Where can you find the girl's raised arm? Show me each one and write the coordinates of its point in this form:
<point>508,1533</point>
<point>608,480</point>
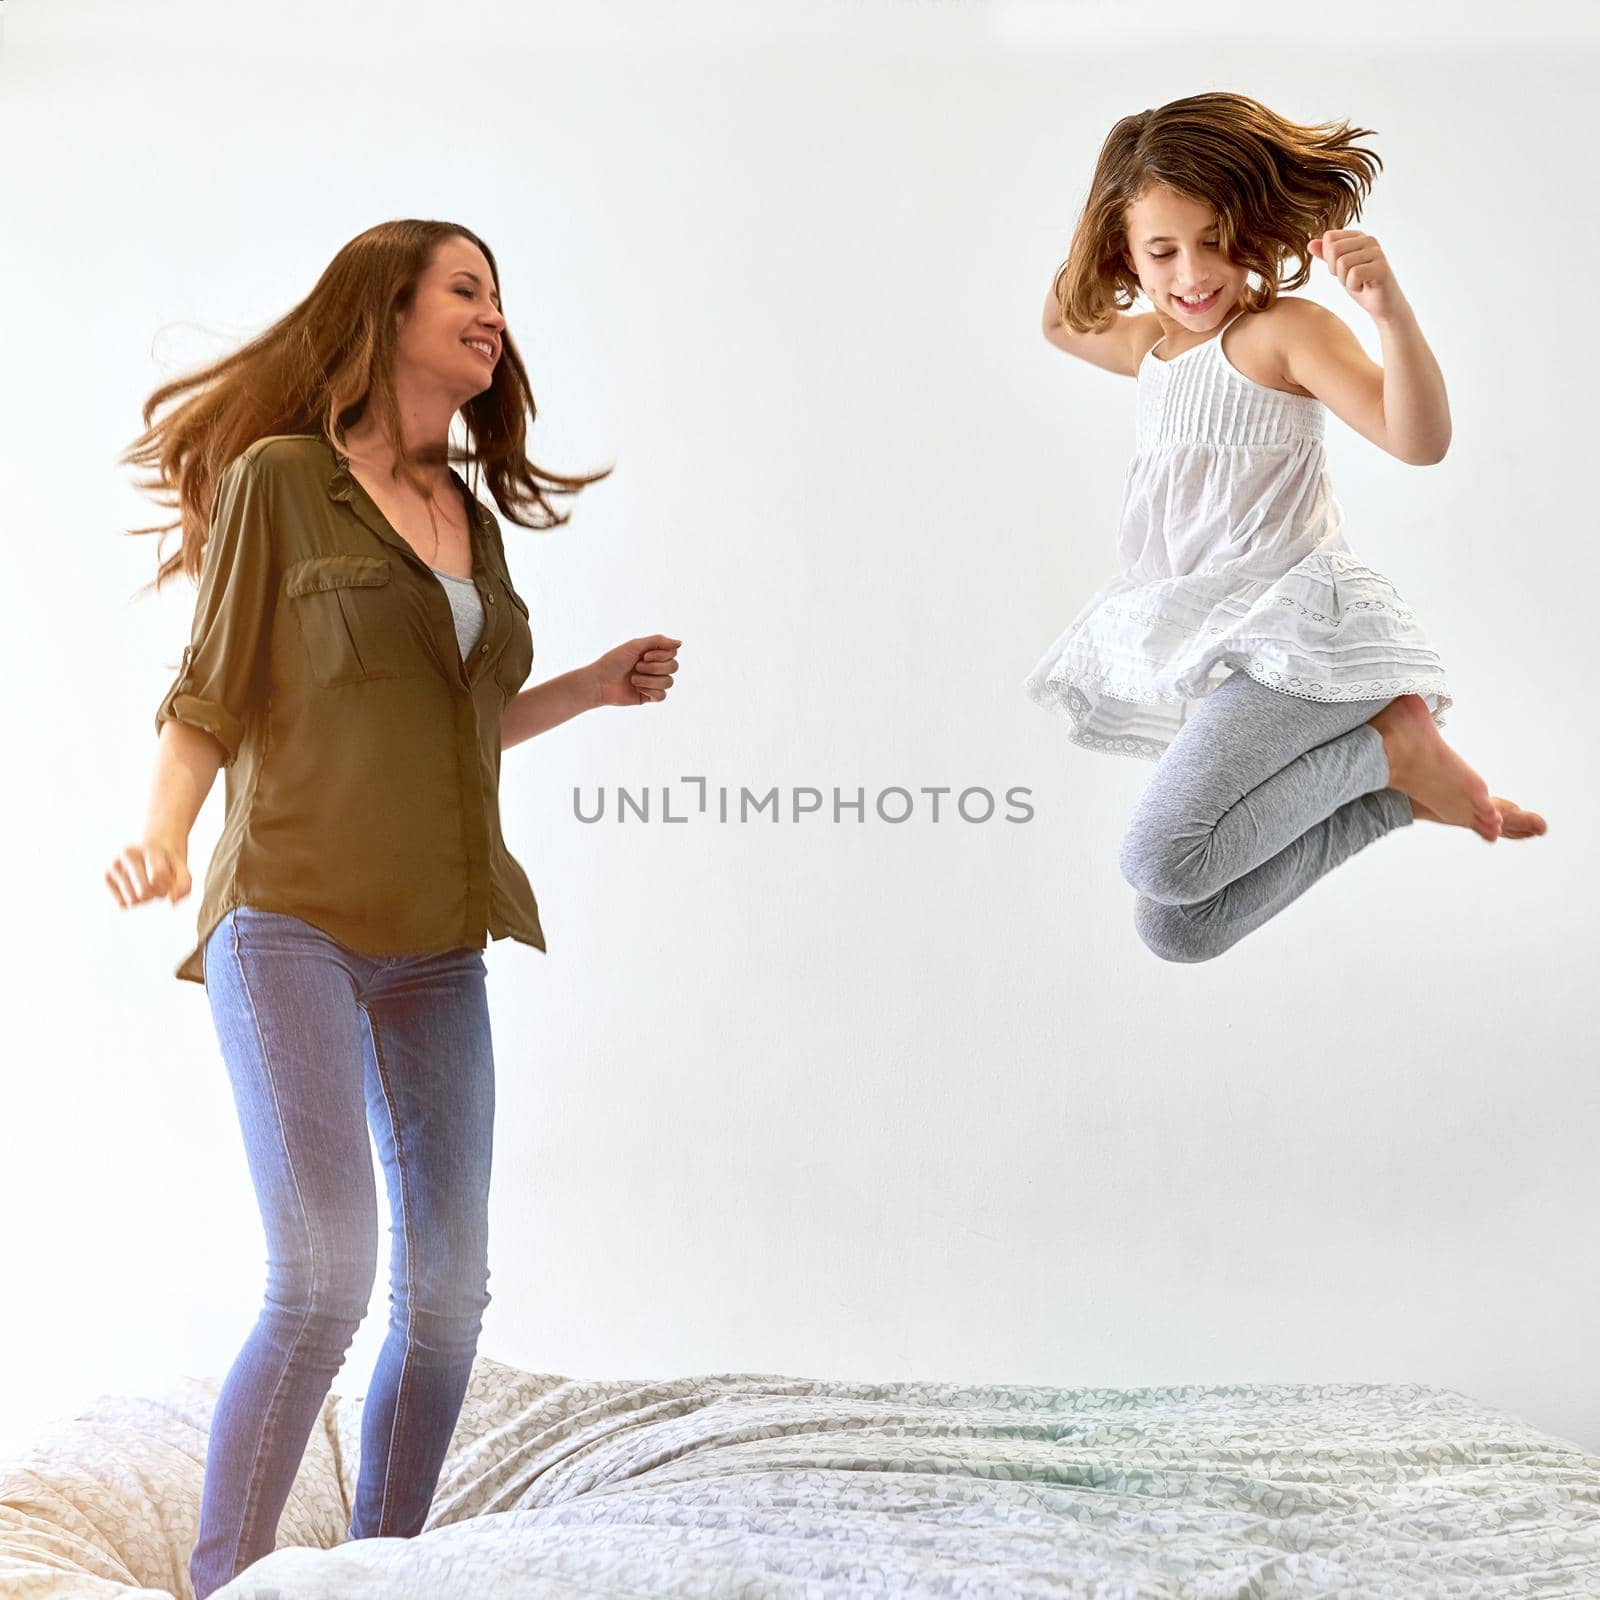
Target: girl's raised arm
<point>1118,349</point>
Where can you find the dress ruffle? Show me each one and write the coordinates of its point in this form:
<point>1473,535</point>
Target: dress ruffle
<point>1140,655</point>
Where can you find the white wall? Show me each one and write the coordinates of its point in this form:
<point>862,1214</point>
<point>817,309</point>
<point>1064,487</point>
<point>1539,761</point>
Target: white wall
<point>838,1100</point>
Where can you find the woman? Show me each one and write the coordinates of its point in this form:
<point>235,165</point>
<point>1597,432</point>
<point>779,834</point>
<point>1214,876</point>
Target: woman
<point>356,664</point>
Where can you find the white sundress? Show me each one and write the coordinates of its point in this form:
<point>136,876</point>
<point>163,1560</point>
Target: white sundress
<point>1232,557</point>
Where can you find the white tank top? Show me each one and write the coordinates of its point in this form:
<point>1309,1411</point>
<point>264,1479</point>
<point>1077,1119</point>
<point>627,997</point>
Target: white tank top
<point>1226,474</point>
<point>1231,556</point>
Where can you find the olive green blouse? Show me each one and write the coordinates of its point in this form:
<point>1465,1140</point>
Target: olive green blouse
<point>361,753</point>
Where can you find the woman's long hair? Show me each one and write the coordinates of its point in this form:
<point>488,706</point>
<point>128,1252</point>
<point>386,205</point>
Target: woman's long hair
<point>316,370</point>
<point>1274,185</point>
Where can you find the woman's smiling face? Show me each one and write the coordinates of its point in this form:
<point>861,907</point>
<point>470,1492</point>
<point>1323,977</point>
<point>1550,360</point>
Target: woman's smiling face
<point>454,313</point>
<point>1174,250</point>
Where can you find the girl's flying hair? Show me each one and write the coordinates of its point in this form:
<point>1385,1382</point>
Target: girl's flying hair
<point>1274,185</point>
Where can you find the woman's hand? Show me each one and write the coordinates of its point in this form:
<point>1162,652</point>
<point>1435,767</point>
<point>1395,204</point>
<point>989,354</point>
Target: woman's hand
<point>1357,260</point>
<point>635,672</point>
<point>150,868</point>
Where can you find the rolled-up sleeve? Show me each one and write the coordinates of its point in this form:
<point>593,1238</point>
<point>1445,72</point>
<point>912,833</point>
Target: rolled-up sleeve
<point>224,664</point>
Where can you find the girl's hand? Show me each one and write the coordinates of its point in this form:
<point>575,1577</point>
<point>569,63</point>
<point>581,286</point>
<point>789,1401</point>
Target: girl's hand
<point>147,869</point>
<point>636,672</point>
<point>1357,260</point>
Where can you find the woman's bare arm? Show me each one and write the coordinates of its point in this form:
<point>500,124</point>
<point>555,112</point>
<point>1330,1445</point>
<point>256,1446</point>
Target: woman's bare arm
<point>546,705</point>
<point>187,759</point>
<point>157,866</point>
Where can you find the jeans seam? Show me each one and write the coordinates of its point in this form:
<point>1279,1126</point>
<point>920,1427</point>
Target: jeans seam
<point>246,1521</point>
<point>411,1287</point>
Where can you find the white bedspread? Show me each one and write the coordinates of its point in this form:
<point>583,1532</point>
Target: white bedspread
<point>751,1485</point>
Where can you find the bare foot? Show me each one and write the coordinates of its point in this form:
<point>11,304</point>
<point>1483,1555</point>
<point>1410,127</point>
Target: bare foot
<point>1439,784</point>
<point>1515,823</point>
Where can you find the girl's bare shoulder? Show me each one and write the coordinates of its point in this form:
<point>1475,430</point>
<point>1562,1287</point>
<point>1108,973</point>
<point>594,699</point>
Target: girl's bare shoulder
<point>1261,343</point>
<point>1316,352</point>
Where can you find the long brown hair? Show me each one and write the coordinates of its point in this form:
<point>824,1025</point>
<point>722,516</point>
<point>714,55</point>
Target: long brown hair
<point>1274,185</point>
<point>316,370</point>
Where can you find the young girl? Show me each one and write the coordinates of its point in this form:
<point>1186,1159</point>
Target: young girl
<point>356,664</point>
<point>1288,694</point>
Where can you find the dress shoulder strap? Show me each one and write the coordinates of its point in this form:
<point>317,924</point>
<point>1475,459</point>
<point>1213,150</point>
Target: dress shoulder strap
<point>1215,338</point>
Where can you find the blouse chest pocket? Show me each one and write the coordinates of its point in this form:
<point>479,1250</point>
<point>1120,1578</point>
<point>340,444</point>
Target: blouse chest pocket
<point>350,623</point>
<point>516,659</point>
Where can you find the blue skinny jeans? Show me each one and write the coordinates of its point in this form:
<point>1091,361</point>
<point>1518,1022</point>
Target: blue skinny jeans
<point>322,1043</point>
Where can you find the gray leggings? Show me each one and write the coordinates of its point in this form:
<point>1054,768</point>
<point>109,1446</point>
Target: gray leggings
<point>1258,795</point>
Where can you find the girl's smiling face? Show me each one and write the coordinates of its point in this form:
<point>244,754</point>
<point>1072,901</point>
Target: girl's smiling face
<point>1174,250</point>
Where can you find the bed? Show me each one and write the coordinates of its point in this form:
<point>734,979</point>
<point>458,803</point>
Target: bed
<point>754,1485</point>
